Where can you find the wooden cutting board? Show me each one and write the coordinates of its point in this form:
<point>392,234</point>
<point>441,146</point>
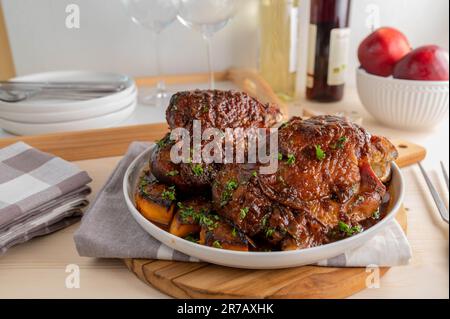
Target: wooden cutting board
<point>203,280</point>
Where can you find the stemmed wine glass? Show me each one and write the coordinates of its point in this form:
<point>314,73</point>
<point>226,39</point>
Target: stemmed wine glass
<point>154,15</point>
<point>207,17</point>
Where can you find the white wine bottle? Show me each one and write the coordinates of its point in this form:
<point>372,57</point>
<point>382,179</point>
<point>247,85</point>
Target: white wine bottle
<point>279,45</point>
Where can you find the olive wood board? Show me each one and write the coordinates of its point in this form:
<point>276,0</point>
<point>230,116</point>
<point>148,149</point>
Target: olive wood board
<point>203,280</point>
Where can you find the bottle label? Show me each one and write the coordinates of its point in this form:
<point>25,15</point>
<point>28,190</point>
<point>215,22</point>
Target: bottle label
<point>311,55</point>
<point>338,60</point>
<point>294,40</point>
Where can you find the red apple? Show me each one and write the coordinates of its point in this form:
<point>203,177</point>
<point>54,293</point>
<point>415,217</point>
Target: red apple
<point>427,63</point>
<point>381,50</point>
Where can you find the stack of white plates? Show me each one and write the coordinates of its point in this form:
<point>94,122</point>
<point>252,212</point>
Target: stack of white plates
<point>39,116</point>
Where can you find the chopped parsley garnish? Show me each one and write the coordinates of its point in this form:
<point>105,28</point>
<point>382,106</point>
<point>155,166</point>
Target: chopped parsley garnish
<point>169,194</point>
<point>255,174</point>
<point>290,159</point>
<point>270,231</point>
<point>234,232</point>
<point>357,229</point>
<point>162,142</point>
<point>341,142</point>
<point>243,212</point>
<point>320,154</point>
<point>210,221</point>
<point>345,228</point>
<point>205,109</point>
<point>376,214</point>
<point>186,213</point>
<point>280,156</point>
<point>142,184</point>
<point>197,169</point>
<point>172,173</point>
<point>264,220</point>
<point>216,244</point>
<point>230,186</point>
<point>191,238</point>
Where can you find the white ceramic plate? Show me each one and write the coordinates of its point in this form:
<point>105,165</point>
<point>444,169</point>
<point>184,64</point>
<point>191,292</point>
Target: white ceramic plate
<point>108,120</point>
<point>78,114</point>
<point>254,260</point>
<point>40,106</point>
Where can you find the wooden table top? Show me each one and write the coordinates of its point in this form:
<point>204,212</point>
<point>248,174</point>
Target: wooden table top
<point>37,269</point>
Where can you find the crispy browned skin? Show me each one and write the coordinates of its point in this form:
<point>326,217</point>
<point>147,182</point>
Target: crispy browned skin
<point>238,198</point>
<point>187,177</point>
<point>311,193</point>
<point>219,109</point>
<point>214,109</point>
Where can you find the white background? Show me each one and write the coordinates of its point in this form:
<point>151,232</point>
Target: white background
<point>109,41</point>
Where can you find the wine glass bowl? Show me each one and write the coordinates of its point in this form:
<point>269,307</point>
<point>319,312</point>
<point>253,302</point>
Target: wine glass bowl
<point>155,15</point>
<point>206,17</point>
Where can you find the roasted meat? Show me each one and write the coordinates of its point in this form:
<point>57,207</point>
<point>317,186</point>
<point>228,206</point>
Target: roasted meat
<point>214,109</point>
<point>219,109</point>
<point>330,182</point>
<point>324,180</point>
<point>188,177</point>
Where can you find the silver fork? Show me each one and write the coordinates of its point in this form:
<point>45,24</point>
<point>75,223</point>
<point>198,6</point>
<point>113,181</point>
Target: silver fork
<point>437,199</point>
<point>12,92</point>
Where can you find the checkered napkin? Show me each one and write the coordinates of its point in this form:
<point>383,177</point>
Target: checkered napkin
<point>109,231</point>
<point>39,194</point>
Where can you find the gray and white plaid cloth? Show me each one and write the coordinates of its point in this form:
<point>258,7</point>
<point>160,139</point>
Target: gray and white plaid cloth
<point>109,230</point>
<point>39,194</point>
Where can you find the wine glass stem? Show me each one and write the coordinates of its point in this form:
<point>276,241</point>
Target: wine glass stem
<point>210,62</point>
<point>160,85</point>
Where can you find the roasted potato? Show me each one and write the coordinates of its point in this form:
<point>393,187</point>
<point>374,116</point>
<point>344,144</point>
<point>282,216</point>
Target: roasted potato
<point>188,216</point>
<point>155,201</point>
<point>222,235</point>
<point>181,228</point>
<point>154,212</point>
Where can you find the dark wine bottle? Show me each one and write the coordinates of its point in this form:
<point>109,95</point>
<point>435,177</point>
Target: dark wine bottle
<point>329,38</point>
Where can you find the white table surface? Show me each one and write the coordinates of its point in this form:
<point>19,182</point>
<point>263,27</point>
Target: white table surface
<point>37,269</point>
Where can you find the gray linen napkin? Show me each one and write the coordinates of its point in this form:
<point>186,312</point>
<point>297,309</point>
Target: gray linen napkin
<point>109,231</point>
<point>39,194</point>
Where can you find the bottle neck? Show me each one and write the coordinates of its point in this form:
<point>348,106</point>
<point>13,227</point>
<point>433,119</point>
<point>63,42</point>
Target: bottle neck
<point>334,12</point>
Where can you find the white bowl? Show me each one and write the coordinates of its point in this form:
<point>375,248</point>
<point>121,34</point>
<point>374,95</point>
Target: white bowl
<point>403,104</point>
<point>254,260</point>
<point>52,106</point>
<point>108,120</point>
